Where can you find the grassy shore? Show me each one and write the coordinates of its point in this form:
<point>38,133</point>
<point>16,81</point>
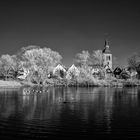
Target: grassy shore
<point>99,83</point>
<point>10,84</point>
<point>74,83</point>
<point>119,83</point>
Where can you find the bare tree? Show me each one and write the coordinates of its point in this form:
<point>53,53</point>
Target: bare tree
<point>97,58</point>
<point>82,59</point>
<point>7,62</point>
<point>134,62</point>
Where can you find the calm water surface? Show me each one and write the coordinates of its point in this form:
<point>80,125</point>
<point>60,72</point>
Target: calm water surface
<point>32,113</point>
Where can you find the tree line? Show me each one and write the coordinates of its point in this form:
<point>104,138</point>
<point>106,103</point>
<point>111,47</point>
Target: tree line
<point>40,62</point>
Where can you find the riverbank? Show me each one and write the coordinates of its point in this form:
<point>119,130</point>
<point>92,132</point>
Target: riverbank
<point>74,83</point>
<point>99,83</point>
<point>108,83</point>
<point>10,84</point>
<point>94,83</point>
<point>119,83</point>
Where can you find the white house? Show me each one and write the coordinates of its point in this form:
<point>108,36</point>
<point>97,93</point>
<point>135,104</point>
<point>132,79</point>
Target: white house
<point>95,71</point>
<point>73,71</point>
<point>23,74</point>
<point>59,70</point>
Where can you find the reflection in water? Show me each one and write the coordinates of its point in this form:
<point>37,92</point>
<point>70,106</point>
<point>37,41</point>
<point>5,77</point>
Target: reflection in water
<point>69,111</point>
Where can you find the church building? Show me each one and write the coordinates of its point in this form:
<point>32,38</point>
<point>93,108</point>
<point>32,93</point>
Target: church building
<point>107,56</point>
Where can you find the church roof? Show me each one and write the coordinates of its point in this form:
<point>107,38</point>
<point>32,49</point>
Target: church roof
<point>58,67</point>
<point>106,49</point>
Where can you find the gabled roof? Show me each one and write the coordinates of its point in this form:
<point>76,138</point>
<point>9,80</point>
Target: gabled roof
<point>59,67</point>
<point>73,68</point>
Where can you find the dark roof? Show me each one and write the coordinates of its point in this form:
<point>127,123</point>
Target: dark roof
<point>106,49</point>
<point>108,70</point>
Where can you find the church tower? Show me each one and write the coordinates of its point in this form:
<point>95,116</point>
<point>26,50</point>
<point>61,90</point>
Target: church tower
<point>107,56</point>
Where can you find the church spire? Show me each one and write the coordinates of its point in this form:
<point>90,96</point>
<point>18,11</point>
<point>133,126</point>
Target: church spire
<point>106,42</point>
<point>106,47</point>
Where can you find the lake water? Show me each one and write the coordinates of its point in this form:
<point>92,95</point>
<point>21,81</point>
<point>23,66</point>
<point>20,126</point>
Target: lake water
<point>70,113</point>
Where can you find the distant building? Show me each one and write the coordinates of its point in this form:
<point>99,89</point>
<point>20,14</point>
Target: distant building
<point>59,70</point>
<point>107,56</point>
<point>95,71</point>
<point>72,72</point>
<point>22,74</point>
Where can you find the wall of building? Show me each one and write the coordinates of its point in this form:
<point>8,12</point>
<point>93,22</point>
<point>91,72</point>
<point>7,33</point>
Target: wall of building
<point>107,60</point>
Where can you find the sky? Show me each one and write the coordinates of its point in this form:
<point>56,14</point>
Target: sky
<point>69,27</point>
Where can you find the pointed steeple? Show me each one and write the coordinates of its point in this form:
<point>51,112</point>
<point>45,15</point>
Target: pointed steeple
<point>106,42</point>
<point>106,47</point>
<point>107,55</point>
